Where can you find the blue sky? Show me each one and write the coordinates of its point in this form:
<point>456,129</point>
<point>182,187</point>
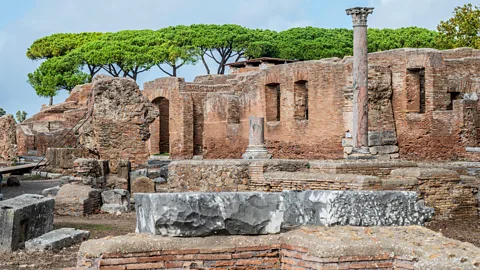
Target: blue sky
<point>22,22</point>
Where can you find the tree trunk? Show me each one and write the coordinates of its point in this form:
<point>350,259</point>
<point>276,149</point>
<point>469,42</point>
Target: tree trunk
<point>205,64</point>
<point>51,101</point>
<point>174,72</point>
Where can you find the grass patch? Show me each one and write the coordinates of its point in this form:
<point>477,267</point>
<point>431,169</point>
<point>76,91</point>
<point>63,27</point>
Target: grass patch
<point>162,154</point>
<point>87,227</point>
<point>33,177</point>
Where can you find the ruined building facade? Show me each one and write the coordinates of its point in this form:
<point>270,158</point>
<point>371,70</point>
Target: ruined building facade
<point>423,104</point>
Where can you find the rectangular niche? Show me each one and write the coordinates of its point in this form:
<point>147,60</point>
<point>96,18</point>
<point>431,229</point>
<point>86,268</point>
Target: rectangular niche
<point>301,100</point>
<point>415,86</point>
<point>272,102</point>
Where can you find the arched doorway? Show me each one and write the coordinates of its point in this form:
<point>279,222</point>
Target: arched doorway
<point>160,132</point>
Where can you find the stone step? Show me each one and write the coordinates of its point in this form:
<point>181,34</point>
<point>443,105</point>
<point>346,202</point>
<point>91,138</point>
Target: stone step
<point>158,162</point>
<point>315,180</point>
<point>57,239</point>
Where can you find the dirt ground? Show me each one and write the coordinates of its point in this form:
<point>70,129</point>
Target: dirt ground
<point>100,226</point>
<point>467,230</point>
<point>104,225</point>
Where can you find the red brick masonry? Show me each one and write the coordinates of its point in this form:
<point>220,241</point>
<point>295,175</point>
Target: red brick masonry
<point>304,248</point>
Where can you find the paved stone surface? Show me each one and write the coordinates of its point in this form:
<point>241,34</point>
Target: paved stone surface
<point>57,239</point>
<point>424,248</point>
<point>23,218</point>
<point>199,214</point>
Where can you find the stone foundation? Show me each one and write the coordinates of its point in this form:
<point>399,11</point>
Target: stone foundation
<point>304,248</point>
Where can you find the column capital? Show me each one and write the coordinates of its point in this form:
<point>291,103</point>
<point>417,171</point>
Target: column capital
<point>359,15</point>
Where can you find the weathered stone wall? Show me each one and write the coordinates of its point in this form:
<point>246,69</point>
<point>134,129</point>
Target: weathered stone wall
<point>8,141</point>
<point>207,176</point>
<point>118,126</point>
<point>451,194</point>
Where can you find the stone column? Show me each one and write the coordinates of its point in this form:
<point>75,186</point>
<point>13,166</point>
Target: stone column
<point>360,78</point>
<point>256,142</point>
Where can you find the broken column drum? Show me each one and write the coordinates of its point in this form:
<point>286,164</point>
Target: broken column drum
<point>256,142</point>
<point>360,78</point>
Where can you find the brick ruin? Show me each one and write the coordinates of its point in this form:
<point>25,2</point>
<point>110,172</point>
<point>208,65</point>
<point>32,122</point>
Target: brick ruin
<point>422,105</point>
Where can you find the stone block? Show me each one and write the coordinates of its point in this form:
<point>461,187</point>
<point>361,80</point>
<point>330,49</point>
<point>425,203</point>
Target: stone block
<point>116,196</point>
<point>143,185</point>
<point>77,200</point>
<point>201,214</point>
<point>23,218</point>
<point>13,181</point>
<point>113,181</point>
<point>116,209</point>
<point>384,149</point>
<point>354,208</point>
<point>51,192</point>
<point>92,171</point>
<point>124,168</point>
<point>376,138</point>
<point>137,174</point>
<point>57,240</point>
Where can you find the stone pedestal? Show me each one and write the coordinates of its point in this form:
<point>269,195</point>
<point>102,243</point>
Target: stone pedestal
<point>256,142</point>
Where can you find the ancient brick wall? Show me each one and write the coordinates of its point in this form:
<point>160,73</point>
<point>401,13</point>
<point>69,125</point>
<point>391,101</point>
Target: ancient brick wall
<point>451,195</point>
<point>180,125</point>
<point>303,248</point>
<point>431,127</point>
<point>54,125</point>
<point>275,256</point>
<point>421,106</point>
